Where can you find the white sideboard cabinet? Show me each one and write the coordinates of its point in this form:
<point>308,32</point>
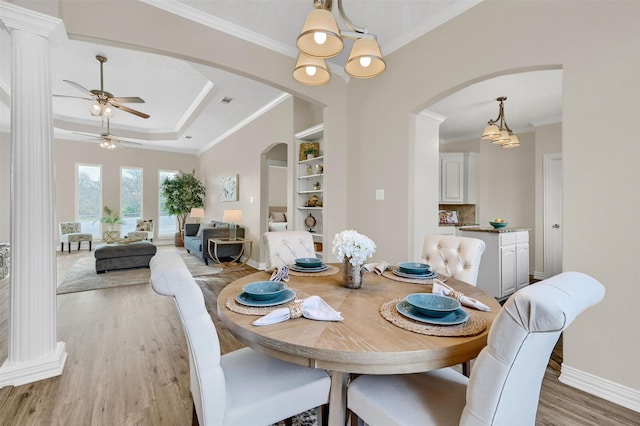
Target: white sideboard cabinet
<point>504,266</point>
<point>458,177</point>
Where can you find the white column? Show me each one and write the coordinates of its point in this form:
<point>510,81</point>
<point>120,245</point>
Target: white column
<point>34,353</point>
<point>424,189</point>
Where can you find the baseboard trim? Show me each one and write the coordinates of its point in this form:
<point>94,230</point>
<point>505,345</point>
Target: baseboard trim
<point>17,374</point>
<point>538,275</point>
<point>605,389</point>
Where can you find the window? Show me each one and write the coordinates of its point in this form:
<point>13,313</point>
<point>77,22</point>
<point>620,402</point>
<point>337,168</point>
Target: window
<point>166,222</point>
<point>89,197</point>
<point>130,198</point>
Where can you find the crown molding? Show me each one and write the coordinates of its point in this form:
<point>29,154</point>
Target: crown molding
<point>18,18</point>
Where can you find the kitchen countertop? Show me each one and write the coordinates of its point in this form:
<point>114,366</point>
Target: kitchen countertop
<point>458,224</point>
<point>491,229</point>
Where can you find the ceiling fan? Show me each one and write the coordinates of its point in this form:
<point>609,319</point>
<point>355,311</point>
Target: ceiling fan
<point>105,101</point>
<point>109,141</point>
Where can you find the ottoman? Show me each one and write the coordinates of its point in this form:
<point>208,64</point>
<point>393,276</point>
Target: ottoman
<point>123,256</point>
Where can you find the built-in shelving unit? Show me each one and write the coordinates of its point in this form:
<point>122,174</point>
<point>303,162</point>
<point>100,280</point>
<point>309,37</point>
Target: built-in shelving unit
<point>309,197</point>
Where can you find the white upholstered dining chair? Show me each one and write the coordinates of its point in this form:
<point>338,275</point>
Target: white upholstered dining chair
<point>457,257</point>
<point>504,386</point>
<point>284,247</point>
<point>242,387</point>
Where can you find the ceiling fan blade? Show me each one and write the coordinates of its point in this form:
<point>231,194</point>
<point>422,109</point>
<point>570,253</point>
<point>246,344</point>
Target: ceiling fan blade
<point>76,85</point>
<point>88,134</point>
<point>130,143</point>
<point>130,110</point>
<point>74,97</point>
<point>127,100</point>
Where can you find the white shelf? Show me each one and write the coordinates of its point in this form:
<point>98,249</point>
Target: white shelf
<point>311,191</point>
<point>311,160</point>
<point>311,176</point>
<point>309,208</point>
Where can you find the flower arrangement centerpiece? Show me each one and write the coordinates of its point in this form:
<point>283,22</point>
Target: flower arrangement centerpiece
<point>353,249</point>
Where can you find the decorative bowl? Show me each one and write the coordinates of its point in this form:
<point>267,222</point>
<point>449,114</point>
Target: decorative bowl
<point>414,268</point>
<point>308,262</point>
<point>498,225</point>
<point>432,305</point>
<point>264,290</point>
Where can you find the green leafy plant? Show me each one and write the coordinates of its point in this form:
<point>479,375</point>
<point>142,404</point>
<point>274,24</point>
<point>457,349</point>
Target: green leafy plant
<point>182,193</point>
<point>111,217</point>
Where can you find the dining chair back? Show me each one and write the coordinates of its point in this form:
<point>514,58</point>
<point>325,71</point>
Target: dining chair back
<point>71,232</point>
<point>242,387</point>
<point>505,382</point>
<point>284,247</point>
<point>457,257</point>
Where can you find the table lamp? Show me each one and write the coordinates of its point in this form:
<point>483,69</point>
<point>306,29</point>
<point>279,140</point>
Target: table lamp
<point>232,217</point>
<point>197,212</point>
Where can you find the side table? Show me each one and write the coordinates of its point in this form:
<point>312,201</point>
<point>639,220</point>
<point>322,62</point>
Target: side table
<point>217,242</point>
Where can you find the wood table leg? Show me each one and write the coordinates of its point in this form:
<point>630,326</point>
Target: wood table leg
<point>338,398</point>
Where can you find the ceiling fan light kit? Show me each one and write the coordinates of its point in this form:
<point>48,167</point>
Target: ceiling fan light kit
<point>498,132</point>
<point>321,39</point>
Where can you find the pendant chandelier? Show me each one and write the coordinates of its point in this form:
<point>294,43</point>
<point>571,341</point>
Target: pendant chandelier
<point>498,131</point>
<point>321,39</point>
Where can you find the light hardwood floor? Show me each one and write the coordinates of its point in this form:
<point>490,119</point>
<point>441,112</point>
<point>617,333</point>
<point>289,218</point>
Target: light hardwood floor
<point>127,365</point>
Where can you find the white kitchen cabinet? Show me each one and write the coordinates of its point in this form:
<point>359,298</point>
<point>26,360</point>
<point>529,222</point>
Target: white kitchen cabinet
<point>504,266</point>
<point>458,177</point>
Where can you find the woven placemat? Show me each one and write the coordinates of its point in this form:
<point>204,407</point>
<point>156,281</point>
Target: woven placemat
<point>389,274</point>
<point>331,271</point>
<point>239,308</point>
<point>474,325</point>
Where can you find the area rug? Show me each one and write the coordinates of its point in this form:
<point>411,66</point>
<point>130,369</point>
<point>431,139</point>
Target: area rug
<point>83,276</point>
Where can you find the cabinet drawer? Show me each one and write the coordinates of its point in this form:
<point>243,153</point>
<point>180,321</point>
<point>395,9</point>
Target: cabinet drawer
<point>522,237</point>
<point>508,238</point>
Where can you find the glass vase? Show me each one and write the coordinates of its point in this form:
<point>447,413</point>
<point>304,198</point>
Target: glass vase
<point>352,276</point>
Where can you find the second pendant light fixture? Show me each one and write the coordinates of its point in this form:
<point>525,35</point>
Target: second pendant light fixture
<point>321,39</point>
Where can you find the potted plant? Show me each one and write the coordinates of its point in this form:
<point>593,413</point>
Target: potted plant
<point>111,218</point>
<point>181,194</point>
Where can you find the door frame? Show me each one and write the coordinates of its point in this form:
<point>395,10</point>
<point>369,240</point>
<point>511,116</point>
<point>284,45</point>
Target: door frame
<point>549,181</point>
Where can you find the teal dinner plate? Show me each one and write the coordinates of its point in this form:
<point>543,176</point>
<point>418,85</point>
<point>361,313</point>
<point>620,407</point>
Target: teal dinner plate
<point>456,317</point>
<point>304,269</point>
<point>308,262</point>
<point>428,276</point>
<point>287,296</point>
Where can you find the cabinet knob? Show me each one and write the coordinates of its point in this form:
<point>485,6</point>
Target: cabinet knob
<point>556,226</point>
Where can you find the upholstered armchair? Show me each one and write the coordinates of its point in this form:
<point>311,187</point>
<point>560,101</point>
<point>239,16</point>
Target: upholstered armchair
<point>144,230</point>
<point>71,232</point>
<point>284,247</point>
<point>457,257</point>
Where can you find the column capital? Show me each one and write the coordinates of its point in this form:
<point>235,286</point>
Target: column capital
<point>14,17</point>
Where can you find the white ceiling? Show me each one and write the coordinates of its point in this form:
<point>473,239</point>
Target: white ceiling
<point>183,98</point>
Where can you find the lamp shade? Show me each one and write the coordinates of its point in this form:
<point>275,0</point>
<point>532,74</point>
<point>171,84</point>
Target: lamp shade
<point>311,71</point>
<point>514,142</point>
<point>320,36</point>
<point>232,216</point>
<point>365,60</point>
<point>490,132</point>
<point>197,212</point>
<point>503,137</point>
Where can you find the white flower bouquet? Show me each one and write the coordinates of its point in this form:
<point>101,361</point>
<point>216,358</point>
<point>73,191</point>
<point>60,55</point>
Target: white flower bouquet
<point>356,247</point>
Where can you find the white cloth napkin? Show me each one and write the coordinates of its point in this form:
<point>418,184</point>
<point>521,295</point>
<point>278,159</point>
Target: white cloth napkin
<point>441,288</point>
<point>281,273</point>
<point>312,307</point>
<point>378,268</point>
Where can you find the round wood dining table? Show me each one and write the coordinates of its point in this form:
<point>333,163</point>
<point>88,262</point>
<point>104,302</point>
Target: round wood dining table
<point>364,342</point>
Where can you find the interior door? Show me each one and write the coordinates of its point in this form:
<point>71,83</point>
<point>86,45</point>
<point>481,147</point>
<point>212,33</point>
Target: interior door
<point>552,214</point>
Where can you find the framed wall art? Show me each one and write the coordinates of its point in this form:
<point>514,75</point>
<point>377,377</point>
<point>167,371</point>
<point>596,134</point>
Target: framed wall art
<point>229,188</point>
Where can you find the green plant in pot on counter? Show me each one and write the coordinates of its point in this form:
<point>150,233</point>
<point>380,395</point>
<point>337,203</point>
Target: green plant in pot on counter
<point>182,193</point>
